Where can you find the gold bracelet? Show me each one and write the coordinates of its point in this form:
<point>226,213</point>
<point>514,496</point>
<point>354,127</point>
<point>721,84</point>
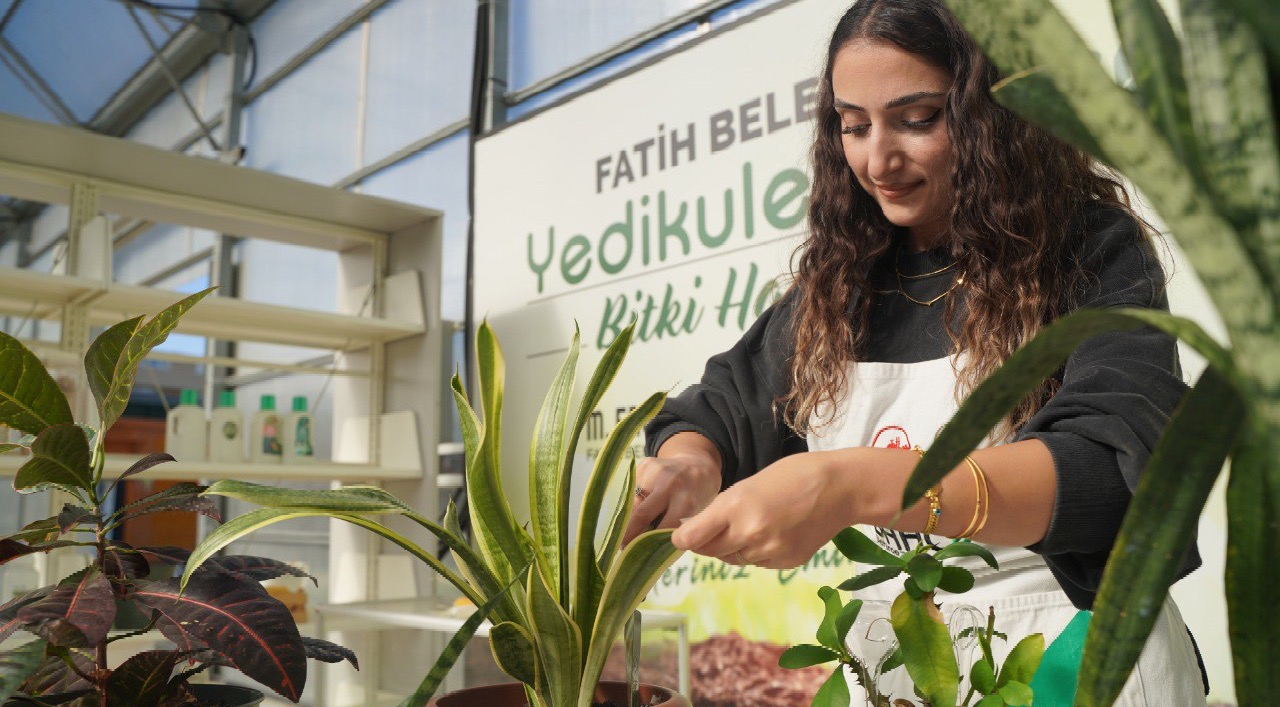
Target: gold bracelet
<point>982,500</point>
<point>935,502</point>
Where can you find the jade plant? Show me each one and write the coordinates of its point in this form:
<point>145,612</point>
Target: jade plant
<point>1197,132</point>
<point>925,643</point>
<point>223,617</point>
<point>557,609</point>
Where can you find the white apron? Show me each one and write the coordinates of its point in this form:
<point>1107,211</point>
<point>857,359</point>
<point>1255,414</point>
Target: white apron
<point>901,405</point>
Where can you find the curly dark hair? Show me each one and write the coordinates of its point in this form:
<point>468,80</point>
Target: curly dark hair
<point>1018,195</point>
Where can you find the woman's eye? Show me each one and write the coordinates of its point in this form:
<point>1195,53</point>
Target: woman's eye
<point>854,129</point>
<point>923,122</point>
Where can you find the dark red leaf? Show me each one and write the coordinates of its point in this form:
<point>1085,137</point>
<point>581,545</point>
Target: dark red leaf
<point>83,601</point>
<point>37,531</point>
<point>122,562</point>
<point>143,680</point>
<point>256,568</point>
<point>11,550</point>
<point>235,618</point>
<point>183,496</point>
<point>73,515</point>
<point>166,555</point>
<point>329,652</point>
<point>9,621</point>
<point>55,678</point>
<point>145,463</point>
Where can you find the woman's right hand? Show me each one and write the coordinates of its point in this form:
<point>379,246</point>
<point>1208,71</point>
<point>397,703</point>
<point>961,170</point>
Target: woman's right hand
<point>678,483</point>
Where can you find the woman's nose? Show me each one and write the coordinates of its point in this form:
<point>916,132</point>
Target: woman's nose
<point>884,155</point>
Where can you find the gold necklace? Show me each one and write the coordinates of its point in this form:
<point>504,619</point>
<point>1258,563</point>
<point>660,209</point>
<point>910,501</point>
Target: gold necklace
<point>897,269</point>
<point>924,303</point>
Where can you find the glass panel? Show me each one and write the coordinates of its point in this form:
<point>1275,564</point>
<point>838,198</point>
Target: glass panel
<point>419,71</point>
<point>138,257</point>
<point>305,126</point>
<point>17,97</point>
<point>170,121</point>
<point>288,26</point>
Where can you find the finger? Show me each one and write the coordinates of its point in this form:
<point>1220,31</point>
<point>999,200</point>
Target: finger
<point>703,532</point>
<point>643,513</point>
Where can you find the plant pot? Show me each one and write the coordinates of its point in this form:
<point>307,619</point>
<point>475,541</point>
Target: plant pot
<point>209,696</point>
<point>511,694</point>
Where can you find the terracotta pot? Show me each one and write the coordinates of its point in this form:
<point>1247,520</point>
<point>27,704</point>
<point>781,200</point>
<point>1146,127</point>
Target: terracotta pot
<point>511,694</point>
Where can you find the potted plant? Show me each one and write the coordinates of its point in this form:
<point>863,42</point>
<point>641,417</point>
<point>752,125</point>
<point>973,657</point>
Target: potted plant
<point>924,640</point>
<point>223,616</point>
<point>556,610</point>
<point>1198,134</point>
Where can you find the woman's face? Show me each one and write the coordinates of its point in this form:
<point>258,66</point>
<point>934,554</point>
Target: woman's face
<point>895,139</point>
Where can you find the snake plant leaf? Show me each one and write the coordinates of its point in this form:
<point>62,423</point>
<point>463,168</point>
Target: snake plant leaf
<point>1155,57</point>
<point>926,571</point>
<point>30,400</point>
<point>348,499</point>
<point>1033,94</point>
<point>926,647</point>
<point>1253,543</point>
<point>112,401</point>
<point>1022,662</point>
<point>1030,365</point>
<point>546,463</point>
<point>870,578</point>
<point>1156,531</point>
<point>631,653</point>
<point>856,546</point>
<point>19,664</point>
<point>104,354</point>
<point>516,652</point>
<point>834,692</point>
<point>1136,148</point>
<point>60,458</point>
<point>1235,128</point>
<point>956,580</point>
<point>965,548</point>
<point>1261,15</point>
<point>618,524</point>
<point>467,561</point>
<point>826,633</point>
<point>8,447</point>
<point>599,382</point>
<point>615,446</point>
<point>805,655</point>
<point>638,567</point>
<point>559,640</point>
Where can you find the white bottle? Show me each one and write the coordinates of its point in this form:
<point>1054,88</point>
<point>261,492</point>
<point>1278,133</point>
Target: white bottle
<point>297,437</point>
<point>226,431</point>
<point>186,434</point>
<point>264,433</point>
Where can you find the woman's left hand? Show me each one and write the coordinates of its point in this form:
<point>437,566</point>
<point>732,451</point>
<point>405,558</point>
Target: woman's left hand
<point>777,518</point>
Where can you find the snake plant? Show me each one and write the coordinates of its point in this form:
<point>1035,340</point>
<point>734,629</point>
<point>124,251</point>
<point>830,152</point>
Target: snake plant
<point>1197,133</point>
<point>556,610</point>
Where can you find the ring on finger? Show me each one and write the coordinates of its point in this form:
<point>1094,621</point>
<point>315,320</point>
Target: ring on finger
<point>642,494</point>
<point>740,558</point>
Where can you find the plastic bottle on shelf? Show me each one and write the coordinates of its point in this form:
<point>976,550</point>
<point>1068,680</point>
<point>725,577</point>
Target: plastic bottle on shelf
<point>297,437</point>
<point>186,435</point>
<point>264,432</point>
<point>226,430</point>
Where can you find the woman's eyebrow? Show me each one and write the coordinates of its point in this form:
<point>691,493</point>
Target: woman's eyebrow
<point>895,103</point>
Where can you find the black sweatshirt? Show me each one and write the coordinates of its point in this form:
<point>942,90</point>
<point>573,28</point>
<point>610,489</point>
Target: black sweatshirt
<point>1117,393</point>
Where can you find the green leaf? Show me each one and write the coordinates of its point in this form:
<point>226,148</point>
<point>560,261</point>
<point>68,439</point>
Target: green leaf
<point>618,524</point>
<point>600,380</point>
<point>1033,94</point>
<point>1023,661</point>
<point>1235,128</point>
<point>559,640</point>
<point>348,499</point>
<point>926,647</point>
<point>1252,574</point>
<point>834,692</point>
<point>805,655</point>
<point>965,548</point>
<point>844,621</point>
<point>1261,15</point>
<point>826,633</point>
<point>983,677</point>
<point>112,401</point>
<point>1155,58</point>
<point>1155,534</point>
<point>617,444</point>
<point>104,354</point>
<point>546,463</point>
<point>516,652</point>
<point>1024,371</point>
<point>856,546</point>
<point>991,701</point>
<point>631,651</point>
<point>30,400</point>
<point>638,568</point>
<point>1016,694</point>
<point>926,571</point>
<point>17,665</point>
<point>956,580</point>
<point>59,458</point>
<point>6,447</point>
<point>870,578</point>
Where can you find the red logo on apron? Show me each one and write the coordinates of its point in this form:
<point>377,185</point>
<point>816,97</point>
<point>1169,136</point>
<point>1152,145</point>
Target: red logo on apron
<point>895,438</point>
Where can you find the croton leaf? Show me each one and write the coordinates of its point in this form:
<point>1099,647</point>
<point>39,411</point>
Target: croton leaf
<point>258,569</point>
<point>142,465</point>
<point>73,515</point>
<point>30,400</point>
<point>327,652</point>
<point>54,677</point>
<point>122,562</point>
<point>9,621</point>
<point>83,602</point>
<point>19,664</point>
<point>37,531</point>
<point>143,679</point>
<point>184,496</point>
<point>59,458</point>
<point>166,554</point>
<point>12,549</point>
<point>235,618</point>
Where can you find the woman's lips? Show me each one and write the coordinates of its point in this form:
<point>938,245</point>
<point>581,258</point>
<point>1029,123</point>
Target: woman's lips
<point>893,192</point>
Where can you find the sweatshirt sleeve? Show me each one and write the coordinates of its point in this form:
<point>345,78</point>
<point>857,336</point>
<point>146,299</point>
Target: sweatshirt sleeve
<point>1118,392</point>
<point>734,404</point>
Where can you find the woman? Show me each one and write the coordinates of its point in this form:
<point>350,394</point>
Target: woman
<point>944,233</point>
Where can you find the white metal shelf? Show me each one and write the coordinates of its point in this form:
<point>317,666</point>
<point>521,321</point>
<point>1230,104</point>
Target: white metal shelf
<point>192,471</point>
